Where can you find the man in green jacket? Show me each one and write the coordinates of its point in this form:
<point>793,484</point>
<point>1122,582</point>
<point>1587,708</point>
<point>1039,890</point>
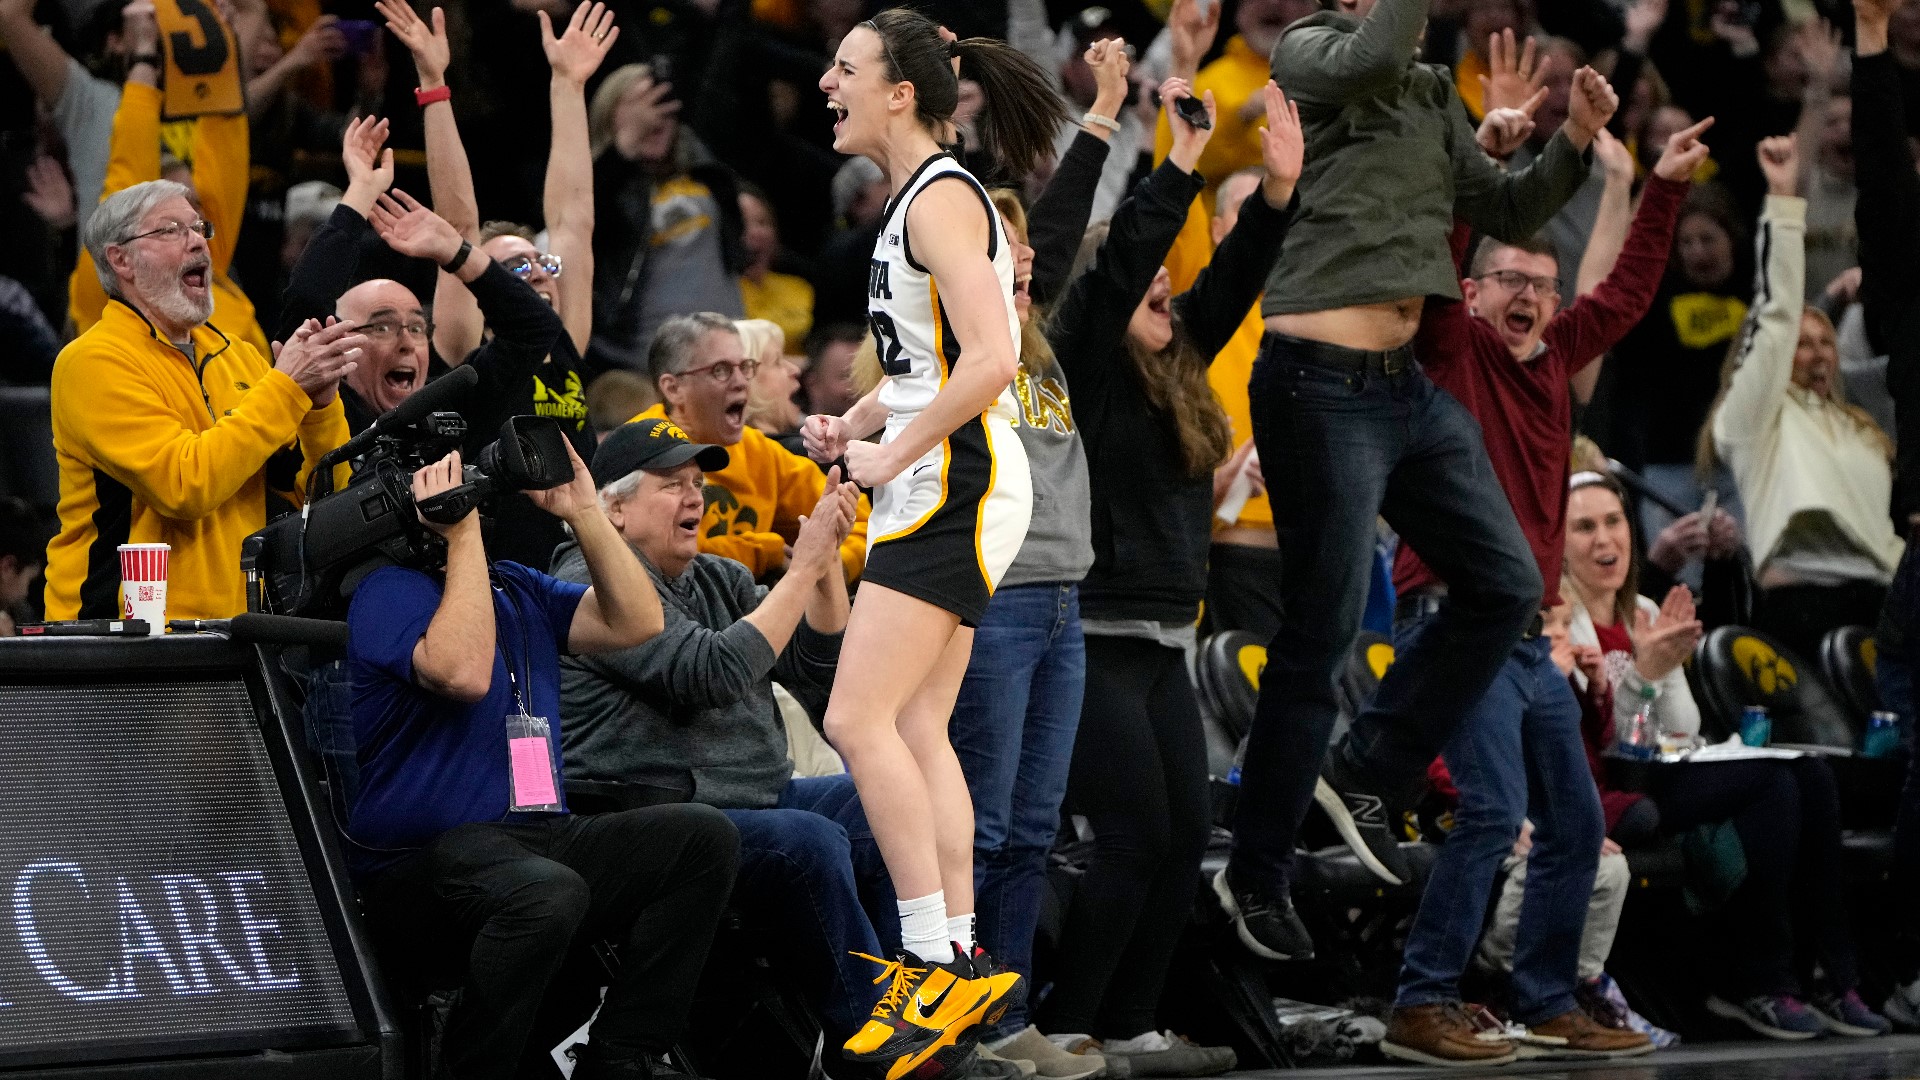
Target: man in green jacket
<point>1349,429</point>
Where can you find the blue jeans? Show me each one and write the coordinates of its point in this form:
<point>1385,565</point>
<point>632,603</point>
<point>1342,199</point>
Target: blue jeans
<point>1013,727</point>
<point>1346,447</point>
<point>1518,755</point>
<point>811,872</point>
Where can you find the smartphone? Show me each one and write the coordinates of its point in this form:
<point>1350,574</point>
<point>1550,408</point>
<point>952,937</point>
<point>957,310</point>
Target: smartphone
<point>1194,112</point>
<point>1708,506</point>
<point>359,33</point>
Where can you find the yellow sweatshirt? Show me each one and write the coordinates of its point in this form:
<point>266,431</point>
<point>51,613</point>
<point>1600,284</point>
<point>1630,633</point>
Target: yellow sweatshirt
<point>754,504</point>
<point>220,156</point>
<point>156,448</point>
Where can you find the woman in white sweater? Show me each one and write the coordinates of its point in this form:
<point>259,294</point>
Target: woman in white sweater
<point>1814,473</point>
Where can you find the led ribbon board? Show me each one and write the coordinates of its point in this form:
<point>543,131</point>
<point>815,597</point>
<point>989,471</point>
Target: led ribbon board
<point>154,897</point>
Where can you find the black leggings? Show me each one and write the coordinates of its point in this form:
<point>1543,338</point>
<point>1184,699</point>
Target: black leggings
<point>1791,910</point>
<point>497,906</point>
<point>1139,776</point>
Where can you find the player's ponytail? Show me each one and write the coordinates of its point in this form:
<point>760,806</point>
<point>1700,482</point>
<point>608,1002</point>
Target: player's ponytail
<point>1022,113</point>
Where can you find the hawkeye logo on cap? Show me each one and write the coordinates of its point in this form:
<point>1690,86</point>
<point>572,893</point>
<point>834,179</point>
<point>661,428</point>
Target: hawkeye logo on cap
<point>667,427</point>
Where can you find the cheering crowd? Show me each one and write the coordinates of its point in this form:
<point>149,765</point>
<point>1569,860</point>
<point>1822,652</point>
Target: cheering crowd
<point>936,379</point>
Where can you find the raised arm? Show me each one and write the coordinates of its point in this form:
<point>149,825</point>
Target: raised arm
<point>1763,366</point>
<point>1597,321</point>
<point>622,609</point>
<point>574,56</point>
<point>1059,216</point>
<point>222,171</point>
<point>1231,284</point>
<point>454,658</point>
<point>1329,63</point>
<point>1091,319</point>
<point>1888,207</point>
<point>331,263</point>
<point>457,323</point>
<point>41,60</point>
<point>323,43</point>
<point>1820,50</point>
<point>1512,206</point>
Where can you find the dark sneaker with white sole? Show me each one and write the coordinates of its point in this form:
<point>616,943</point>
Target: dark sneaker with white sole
<point>1267,925</point>
<point>1777,1016</point>
<point>1363,820</point>
<point>1845,1014</point>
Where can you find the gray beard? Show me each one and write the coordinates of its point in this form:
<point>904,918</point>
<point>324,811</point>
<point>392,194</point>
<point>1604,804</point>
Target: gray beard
<point>169,298</point>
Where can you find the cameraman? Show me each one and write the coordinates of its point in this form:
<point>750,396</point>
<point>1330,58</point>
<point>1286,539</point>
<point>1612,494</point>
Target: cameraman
<point>446,669</point>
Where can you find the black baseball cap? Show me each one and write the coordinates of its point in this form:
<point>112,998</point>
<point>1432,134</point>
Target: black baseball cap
<point>653,443</point>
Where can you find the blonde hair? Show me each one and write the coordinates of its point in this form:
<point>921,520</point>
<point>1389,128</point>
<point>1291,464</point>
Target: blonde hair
<point>1706,456</point>
<point>1035,350</point>
<point>764,341</point>
<point>756,335</point>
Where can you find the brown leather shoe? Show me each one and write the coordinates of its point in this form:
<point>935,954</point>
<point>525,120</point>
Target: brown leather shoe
<point>1441,1034</point>
<point>1586,1038</point>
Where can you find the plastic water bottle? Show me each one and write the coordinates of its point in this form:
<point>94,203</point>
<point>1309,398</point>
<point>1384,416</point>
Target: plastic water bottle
<point>1239,759</point>
<point>1883,734</point>
<point>1756,726</point>
<point>1637,741</point>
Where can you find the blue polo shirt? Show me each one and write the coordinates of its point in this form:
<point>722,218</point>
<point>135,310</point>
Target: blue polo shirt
<point>429,763</point>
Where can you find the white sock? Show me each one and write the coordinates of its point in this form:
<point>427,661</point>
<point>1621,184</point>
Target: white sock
<point>960,932</point>
<point>923,928</point>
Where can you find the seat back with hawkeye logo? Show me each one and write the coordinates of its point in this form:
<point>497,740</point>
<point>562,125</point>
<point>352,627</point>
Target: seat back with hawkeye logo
<point>1228,670</point>
<point>1848,657</point>
<point>1736,667</point>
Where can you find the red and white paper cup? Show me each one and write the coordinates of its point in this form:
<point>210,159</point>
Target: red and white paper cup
<point>143,584</point>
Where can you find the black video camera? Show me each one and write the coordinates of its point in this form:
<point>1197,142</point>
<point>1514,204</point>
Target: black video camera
<point>308,564</point>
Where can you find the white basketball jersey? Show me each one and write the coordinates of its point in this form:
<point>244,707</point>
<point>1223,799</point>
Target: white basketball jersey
<point>905,310</point>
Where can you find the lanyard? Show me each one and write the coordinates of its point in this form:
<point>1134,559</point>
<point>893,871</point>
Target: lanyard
<point>506,654</point>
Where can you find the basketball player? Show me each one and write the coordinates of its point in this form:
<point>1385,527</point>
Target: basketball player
<point>952,498</point>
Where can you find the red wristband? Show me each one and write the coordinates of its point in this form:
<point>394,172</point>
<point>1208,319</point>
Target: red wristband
<point>424,98</point>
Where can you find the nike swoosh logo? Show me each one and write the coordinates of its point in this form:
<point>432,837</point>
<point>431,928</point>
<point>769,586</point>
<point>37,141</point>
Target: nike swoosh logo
<point>921,469</point>
<point>927,1008</point>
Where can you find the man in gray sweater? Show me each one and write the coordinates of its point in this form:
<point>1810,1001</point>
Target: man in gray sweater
<point>689,716</point>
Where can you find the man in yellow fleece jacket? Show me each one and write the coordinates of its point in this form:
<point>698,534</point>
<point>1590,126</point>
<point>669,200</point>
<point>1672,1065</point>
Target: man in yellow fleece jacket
<point>754,504</point>
<point>166,429</point>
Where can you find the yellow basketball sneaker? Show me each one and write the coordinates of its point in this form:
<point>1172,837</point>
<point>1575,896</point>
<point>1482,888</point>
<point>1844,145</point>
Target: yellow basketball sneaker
<point>911,1015</point>
<point>991,989</point>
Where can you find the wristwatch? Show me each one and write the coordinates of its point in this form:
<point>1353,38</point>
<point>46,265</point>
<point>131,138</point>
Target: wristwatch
<point>153,58</point>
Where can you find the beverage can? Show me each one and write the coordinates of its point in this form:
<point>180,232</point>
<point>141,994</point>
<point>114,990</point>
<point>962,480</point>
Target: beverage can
<point>1883,734</point>
<point>1756,726</point>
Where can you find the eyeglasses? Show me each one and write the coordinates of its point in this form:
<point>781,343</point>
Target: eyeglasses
<point>1515,281</point>
<point>386,330</point>
<point>722,372</point>
<point>175,231</point>
<point>521,266</point>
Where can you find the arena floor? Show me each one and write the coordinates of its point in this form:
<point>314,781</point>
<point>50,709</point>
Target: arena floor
<point>1893,1058</point>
